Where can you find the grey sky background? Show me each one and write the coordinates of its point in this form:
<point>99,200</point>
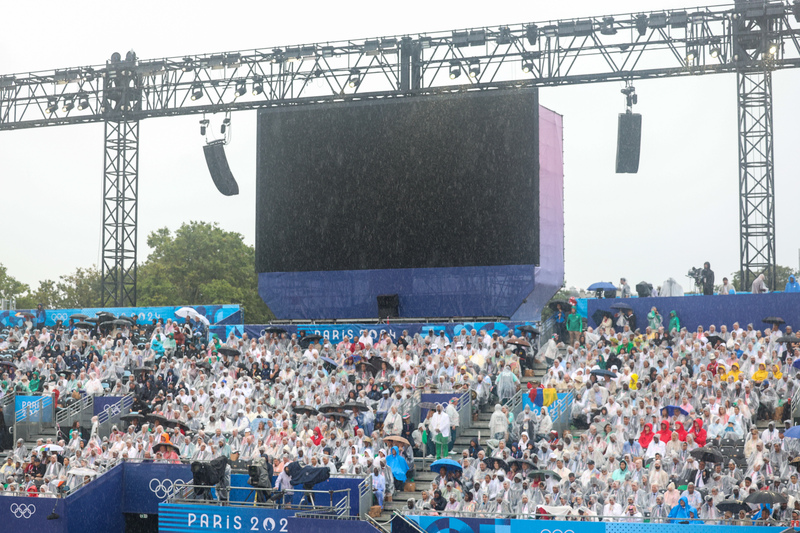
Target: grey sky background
<point>680,209</point>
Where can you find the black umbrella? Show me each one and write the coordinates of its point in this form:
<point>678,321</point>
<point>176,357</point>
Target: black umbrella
<point>8,364</point>
<point>789,339</point>
<point>329,408</point>
<point>228,351</point>
<point>79,316</point>
<point>603,373</point>
<point>167,445</point>
<point>403,341</point>
<point>734,506</point>
<point>565,305</point>
<point>518,341</point>
<point>529,329</point>
<point>600,314</point>
<point>341,416</point>
<point>374,365</point>
<point>161,419</point>
<point>766,496</point>
<point>130,417</point>
<point>142,369</point>
<point>83,324</point>
<point>621,306</point>
<point>491,460</point>
<point>26,314</point>
<point>104,313</point>
<point>520,462</point>
<point>355,405</point>
<point>92,320</point>
<point>305,410</point>
<point>119,322</point>
<point>773,320</point>
<point>274,329</point>
<point>713,340</point>
<point>308,339</point>
<point>707,454</point>
<point>542,473</point>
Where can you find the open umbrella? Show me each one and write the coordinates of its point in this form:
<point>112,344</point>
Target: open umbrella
<point>793,432</point>
<point>671,409</point>
<point>130,417</point>
<point>142,369</point>
<point>228,351</point>
<point>490,461</point>
<point>396,439</point>
<point>520,462</point>
<point>540,474</point>
<point>308,339</point>
<point>160,419</point>
<point>328,363</point>
<point>518,342</point>
<point>119,322</point>
<point>713,340</point>
<point>374,365</point>
<point>621,306</point>
<point>766,496</point>
<point>600,314</point>
<point>329,408</point>
<point>603,373</point>
<point>791,339</point>
<point>25,314</point>
<point>707,454</point>
<point>355,405</point>
<point>448,464</point>
<point>734,506</point>
<point>340,416</point>
<point>82,472</point>
<point>78,316</point>
<point>83,325</point>
<point>305,410</point>
<point>773,320</point>
<point>528,329</point>
<point>565,305</point>
<point>275,329</point>
<point>162,445</point>
<point>601,286</point>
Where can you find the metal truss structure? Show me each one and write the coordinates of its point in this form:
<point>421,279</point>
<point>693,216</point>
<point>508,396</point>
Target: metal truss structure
<point>752,39</point>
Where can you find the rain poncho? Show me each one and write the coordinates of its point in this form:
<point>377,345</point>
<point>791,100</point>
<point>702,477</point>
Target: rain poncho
<point>498,423</point>
<point>506,384</point>
<point>792,285</point>
<point>674,321</point>
<point>681,511</point>
<point>397,464</point>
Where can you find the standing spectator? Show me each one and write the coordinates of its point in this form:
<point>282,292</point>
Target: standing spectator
<point>41,317</point>
<point>561,320</point>
<point>759,286</point>
<point>726,287</point>
<point>792,285</point>
<point>574,326</point>
<point>707,277</point>
<point>624,288</point>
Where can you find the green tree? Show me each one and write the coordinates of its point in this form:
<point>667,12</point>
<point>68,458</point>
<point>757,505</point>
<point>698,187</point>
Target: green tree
<point>9,287</point>
<point>80,289</point>
<point>46,294</point>
<point>782,274</point>
<point>201,264</point>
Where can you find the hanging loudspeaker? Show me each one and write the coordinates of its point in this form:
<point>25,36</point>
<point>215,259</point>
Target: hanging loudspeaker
<point>629,138</point>
<point>219,169</point>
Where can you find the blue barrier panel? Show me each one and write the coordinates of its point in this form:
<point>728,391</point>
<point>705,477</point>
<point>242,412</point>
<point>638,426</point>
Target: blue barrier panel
<point>23,405</point>
<point>97,507</point>
<point>436,524</point>
<point>214,313</point>
<point>174,518</point>
<point>145,485</point>
<point>102,403</point>
<point>706,310</point>
<point>336,332</point>
<point>318,525</point>
<point>30,514</point>
<point>435,398</point>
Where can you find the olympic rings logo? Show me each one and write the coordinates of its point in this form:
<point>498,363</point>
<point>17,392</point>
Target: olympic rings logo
<point>556,531</point>
<point>164,489</point>
<point>112,409</point>
<point>23,510</point>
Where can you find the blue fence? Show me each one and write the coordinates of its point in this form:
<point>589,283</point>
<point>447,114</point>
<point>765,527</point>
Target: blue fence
<point>706,310</point>
<point>175,518</point>
<point>436,524</point>
<point>38,407</point>
<point>214,313</point>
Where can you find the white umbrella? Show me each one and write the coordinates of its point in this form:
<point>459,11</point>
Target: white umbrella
<point>82,472</point>
<point>190,312</point>
<point>54,448</point>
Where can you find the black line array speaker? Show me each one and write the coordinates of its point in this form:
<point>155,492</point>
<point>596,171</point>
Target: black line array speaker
<point>388,306</point>
<point>629,140</point>
<point>219,169</point>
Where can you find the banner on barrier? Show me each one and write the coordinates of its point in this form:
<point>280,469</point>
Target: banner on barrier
<point>435,398</point>
<point>145,315</point>
<point>108,403</point>
<point>38,407</point>
<point>174,518</point>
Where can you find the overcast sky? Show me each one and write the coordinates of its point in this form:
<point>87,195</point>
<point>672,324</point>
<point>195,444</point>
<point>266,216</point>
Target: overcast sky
<point>680,209</point>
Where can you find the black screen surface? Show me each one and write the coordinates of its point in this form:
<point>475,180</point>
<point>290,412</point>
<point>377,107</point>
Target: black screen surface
<point>415,182</point>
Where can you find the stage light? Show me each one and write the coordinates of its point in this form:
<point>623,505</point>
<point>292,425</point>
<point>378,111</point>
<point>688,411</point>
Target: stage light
<point>607,27</point>
<point>241,89</point>
<point>641,24</point>
<point>474,68</point>
<point>68,105</point>
<point>258,87</point>
<point>52,106</point>
<point>532,34</point>
<point>715,52</point>
<point>691,55</point>
<point>455,69</point>
<point>773,48</point>
<point>188,64</point>
<point>83,102</point>
<point>355,78</point>
<point>796,10</point>
<point>197,92</point>
<point>204,126</point>
<point>225,123</point>
<point>527,64</point>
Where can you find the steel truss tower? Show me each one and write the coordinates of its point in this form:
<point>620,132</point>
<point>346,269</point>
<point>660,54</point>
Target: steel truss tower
<point>750,38</point>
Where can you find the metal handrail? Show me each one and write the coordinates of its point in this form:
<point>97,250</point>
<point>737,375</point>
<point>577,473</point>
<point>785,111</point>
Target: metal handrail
<point>116,408</point>
<point>374,523</point>
<point>411,523</point>
<point>74,409</point>
<point>582,518</point>
<point>182,492</point>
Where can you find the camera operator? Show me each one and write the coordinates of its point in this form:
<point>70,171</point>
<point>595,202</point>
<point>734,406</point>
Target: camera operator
<point>223,487</point>
<point>260,471</point>
<point>707,278</point>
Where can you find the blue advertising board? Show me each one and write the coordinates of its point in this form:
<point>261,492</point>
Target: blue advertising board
<point>214,313</point>
<point>39,408</point>
<point>175,518</point>
<point>435,398</point>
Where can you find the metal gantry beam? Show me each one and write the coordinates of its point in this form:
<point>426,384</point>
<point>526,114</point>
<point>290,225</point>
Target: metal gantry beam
<point>750,38</point>
<point>120,209</point>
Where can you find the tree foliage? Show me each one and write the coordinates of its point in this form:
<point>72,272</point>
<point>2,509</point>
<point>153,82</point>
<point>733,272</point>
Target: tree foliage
<point>201,264</point>
<point>10,288</point>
